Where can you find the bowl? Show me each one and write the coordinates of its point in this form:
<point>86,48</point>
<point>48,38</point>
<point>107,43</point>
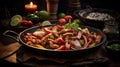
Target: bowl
<point>96,17</point>
<point>113,49</point>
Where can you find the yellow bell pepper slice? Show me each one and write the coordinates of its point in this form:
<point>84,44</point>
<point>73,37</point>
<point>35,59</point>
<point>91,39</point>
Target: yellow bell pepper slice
<point>40,47</point>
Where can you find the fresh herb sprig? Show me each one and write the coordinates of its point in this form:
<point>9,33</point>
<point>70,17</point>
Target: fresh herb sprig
<point>71,24</point>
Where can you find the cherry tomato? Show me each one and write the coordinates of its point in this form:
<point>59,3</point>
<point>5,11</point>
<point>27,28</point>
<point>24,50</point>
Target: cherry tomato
<point>30,23</point>
<point>59,27</point>
<point>62,21</point>
<point>26,23</point>
<point>68,17</point>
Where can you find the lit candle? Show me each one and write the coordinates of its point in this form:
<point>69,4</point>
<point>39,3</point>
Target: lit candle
<point>31,7</point>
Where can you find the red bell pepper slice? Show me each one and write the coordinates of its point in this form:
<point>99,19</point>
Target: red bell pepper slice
<point>48,30</point>
<point>59,27</point>
<point>60,41</point>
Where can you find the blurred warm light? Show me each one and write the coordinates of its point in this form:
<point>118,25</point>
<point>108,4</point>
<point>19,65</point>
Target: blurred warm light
<point>31,3</point>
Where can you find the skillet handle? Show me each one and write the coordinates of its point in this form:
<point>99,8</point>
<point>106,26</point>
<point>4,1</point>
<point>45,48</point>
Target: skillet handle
<point>11,34</point>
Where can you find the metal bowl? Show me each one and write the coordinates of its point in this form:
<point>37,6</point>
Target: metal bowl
<point>112,53</point>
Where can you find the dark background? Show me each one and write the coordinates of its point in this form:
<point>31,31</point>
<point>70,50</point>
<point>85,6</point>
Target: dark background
<point>17,6</point>
<point>8,8</point>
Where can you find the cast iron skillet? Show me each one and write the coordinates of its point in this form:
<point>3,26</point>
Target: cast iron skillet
<point>62,53</point>
<point>81,14</point>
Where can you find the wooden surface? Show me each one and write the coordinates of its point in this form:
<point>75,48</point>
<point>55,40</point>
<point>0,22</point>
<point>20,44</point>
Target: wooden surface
<point>8,48</point>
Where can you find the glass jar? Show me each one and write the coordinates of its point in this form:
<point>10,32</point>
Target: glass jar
<point>111,30</point>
